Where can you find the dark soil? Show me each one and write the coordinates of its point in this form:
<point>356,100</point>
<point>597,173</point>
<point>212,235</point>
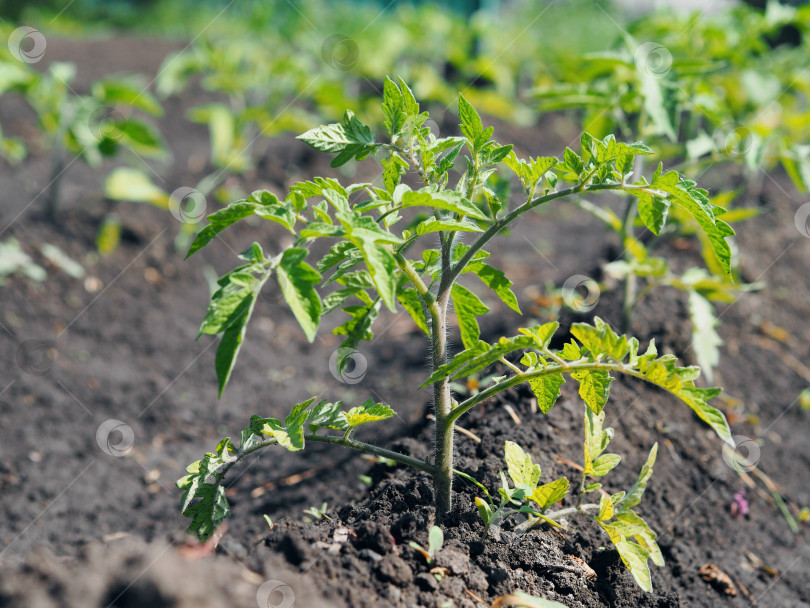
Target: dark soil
<point>84,528</point>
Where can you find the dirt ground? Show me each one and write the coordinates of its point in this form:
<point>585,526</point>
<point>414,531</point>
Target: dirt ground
<point>83,527</point>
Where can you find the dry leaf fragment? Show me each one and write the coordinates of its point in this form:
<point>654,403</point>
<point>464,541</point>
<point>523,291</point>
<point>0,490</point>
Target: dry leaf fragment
<point>718,579</point>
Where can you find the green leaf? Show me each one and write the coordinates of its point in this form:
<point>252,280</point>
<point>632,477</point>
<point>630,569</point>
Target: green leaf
<point>541,334</point>
<point>547,390</point>
<point>550,493</point>
<point>594,387</point>
<point>633,555</point>
<point>349,139</point>
<point>484,510</point>
<point>393,108</point>
<point>371,240</point>
<point>433,224</point>
<point>496,280</point>
<point>696,202</point>
<point>261,203</point>
<point>448,200</point>
<point>471,125</point>
<point>203,502</point>
<point>229,347</point>
<point>227,148</point>
<point>467,305</point>
<point>118,92</point>
<point>652,210</point>
<point>600,339</point>
<point>655,105</point>
<point>435,540</point>
<point>532,171</point>
<point>409,298</point>
<point>480,356</point>
<point>359,326</point>
<point>291,439</point>
<point>126,184</point>
<point>597,439</point>
<point>368,412</point>
<point>696,398</point>
<point>605,509</point>
<point>705,339</point>
<point>522,472</point>
<point>229,312</point>
<point>326,415</point>
<point>297,279</point>
<point>605,464</point>
<point>645,535</point>
<point>634,494</point>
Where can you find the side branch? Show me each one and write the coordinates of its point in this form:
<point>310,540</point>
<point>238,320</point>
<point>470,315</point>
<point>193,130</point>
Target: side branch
<point>575,366</point>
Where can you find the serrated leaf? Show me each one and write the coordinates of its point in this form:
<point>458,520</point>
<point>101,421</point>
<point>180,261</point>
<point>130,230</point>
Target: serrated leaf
<point>297,280</point>
<point>605,509</point>
<point>409,299</point>
<point>550,493</point>
<point>371,240</point>
<point>368,412</point>
<point>349,136</point>
<point>541,334</point>
<point>479,357</point>
<point>594,387</point>
<point>467,306</point>
<point>496,280</point>
<point>633,555</point>
<point>433,224</point>
<point>597,439</point>
<point>600,339</point>
<point>471,125</point>
<point>522,471</point>
<point>652,210</point>
<point>634,494</point>
<point>326,415</point>
<point>448,200</point>
<point>393,107</point>
<point>547,390</point>
<point>696,398</point>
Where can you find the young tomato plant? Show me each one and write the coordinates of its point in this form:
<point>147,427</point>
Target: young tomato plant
<point>370,264</point>
<point>91,127</point>
<point>630,534</point>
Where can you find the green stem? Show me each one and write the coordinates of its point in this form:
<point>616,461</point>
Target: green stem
<point>572,511</point>
<point>466,405</point>
<point>442,399</point>
<point>347,442</point>
<point>630,283</point>
<point>527,206</point>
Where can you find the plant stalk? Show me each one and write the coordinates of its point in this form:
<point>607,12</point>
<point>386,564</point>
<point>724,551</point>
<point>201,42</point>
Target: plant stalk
<point>443,404</point>
<point>630,281</point>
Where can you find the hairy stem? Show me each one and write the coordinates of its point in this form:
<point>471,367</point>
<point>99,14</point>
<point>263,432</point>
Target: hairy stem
<point>630,281</point>
<point>507,219</point>
<point>630,284</point>
<point>348,442</point>
<point>442,399</point>
<point>574,366</point>
<point>572,511</point>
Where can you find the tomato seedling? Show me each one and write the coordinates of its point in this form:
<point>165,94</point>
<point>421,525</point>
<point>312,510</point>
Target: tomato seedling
<point>371,266</point>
